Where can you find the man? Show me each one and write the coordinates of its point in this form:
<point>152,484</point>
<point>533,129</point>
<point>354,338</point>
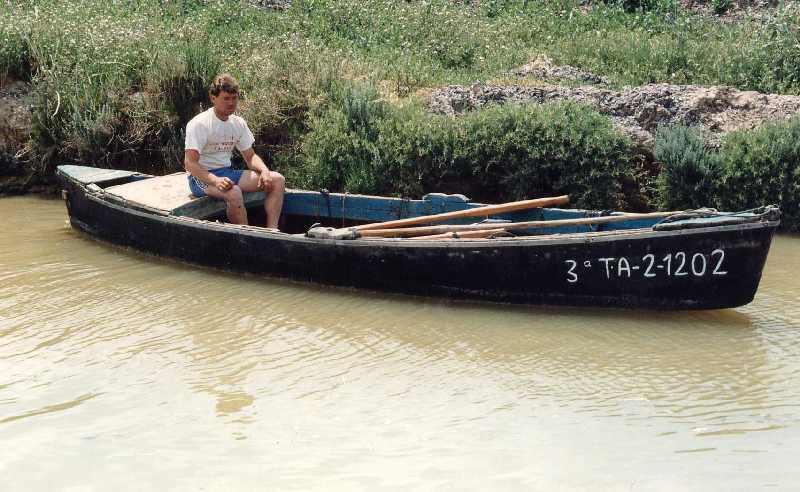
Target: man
<point>210,139</point>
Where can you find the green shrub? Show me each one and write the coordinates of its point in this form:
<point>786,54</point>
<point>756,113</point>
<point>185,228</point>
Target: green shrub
<point>752,168</point>
<point>689,169</point>
<point>502,153</point>
<point>561,148</point>
<point>363,145</point>
<point>762,167</point>
<point>419,153</point>
<point>341,147</point>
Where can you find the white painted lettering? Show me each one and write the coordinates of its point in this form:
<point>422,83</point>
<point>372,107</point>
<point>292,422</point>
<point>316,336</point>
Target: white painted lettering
<point>721,254</point>
<point>680,272</point>
<point>701,270</point>
<point>650,259</point>
<point>668,260</point>
<point>623,266</point>
<point>572,277</point>
<point>678,264</point>
<point>606,261</point>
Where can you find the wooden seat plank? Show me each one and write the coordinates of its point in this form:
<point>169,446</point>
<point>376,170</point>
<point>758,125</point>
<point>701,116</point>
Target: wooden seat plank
<point>162,193</point>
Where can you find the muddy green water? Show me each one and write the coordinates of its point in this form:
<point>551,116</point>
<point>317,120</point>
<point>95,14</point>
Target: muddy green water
<point>120,371</point>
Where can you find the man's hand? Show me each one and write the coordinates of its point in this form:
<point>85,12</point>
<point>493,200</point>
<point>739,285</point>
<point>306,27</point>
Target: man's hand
<point>223,184</point>
<point>265,181</point>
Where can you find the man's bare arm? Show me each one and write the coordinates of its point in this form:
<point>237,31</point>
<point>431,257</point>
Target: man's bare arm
<point>255,163</point>
<point>191,162</point>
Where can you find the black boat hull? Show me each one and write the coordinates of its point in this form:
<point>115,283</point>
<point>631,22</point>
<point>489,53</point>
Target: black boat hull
<point>701,268</point>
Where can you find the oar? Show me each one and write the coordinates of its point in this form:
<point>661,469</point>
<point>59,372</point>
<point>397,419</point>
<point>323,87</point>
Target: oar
<point>479,234</point>
<point>471,212</point>
<point>431,230</point>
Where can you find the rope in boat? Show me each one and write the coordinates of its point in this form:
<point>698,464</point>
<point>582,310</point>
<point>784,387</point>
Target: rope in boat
<point>699,213</point>
<point>767,211</point>
<point>684,220</point>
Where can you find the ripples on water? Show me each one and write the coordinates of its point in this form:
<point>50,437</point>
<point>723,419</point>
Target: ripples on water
<point>125,371</point>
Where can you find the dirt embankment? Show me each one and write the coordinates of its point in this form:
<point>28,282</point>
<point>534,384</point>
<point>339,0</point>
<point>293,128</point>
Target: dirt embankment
<point>636,111</point>
<point>15,129</point>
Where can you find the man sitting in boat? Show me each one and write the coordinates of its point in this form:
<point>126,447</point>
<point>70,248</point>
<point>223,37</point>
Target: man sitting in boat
<point>210,139</point>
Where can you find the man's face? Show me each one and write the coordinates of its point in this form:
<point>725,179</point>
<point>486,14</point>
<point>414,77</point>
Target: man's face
<point>225,103</point>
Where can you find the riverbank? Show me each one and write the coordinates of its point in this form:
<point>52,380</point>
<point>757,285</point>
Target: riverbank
<point>345,95</point>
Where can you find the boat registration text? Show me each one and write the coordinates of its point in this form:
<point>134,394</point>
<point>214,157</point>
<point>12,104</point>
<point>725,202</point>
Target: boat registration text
<point>678,264</point>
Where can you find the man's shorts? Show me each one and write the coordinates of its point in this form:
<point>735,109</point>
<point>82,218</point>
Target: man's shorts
<point>199,188</point>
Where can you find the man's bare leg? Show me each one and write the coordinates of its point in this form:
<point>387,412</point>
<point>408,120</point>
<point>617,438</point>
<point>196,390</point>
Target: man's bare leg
<point>234,201</point>
<point>273,202</point>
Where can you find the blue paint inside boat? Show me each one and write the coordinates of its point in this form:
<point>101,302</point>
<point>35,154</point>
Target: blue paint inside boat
<point>348,209</point>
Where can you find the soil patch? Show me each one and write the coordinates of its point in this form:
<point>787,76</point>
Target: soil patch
<point>15,128</point>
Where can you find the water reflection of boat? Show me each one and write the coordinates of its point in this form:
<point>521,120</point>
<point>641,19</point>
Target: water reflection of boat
<point>692,262</point>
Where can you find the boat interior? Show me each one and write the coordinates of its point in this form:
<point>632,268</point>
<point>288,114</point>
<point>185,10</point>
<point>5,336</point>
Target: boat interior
<point>170,196</point>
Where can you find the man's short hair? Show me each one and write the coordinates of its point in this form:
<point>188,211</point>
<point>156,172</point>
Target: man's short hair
<point>223,82</point>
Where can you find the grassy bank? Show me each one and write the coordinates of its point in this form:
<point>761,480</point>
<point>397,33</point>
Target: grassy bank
<point>115,83</point>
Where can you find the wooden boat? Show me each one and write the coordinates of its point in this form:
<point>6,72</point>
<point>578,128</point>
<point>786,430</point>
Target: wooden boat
<point>556,256</point>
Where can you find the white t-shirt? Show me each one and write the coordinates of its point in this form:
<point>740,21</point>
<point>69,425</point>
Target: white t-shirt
<point>215,139</point>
